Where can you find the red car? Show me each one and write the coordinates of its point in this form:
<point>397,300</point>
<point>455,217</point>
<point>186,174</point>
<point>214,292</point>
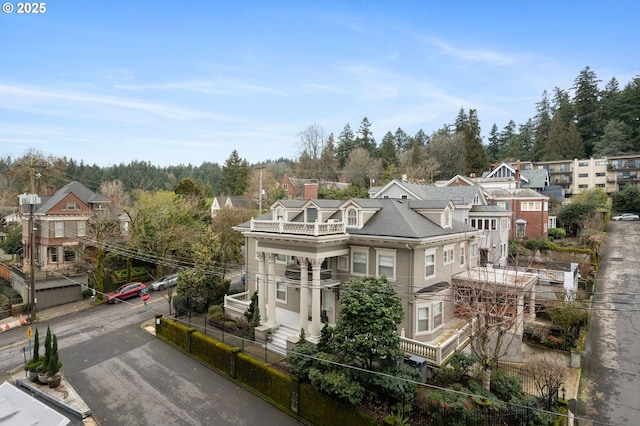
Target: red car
<point>126,291</point>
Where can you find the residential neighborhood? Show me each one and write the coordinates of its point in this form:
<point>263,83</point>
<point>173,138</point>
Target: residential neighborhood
<point>312,213</point>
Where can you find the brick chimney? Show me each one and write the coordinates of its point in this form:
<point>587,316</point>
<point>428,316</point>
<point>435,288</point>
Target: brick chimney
<point>310,190</point>
<point>49,190</point>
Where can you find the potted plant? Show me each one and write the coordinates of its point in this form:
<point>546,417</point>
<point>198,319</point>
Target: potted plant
<point>42,374</point>
<point>35,364</point>
<point>53,370</point>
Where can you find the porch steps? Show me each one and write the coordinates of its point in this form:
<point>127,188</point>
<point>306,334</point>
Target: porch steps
<point>279,338</point>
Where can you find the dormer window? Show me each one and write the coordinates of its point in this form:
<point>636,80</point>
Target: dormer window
<point>352,217</point>
<point>279,213</point>
<point>447,218</point>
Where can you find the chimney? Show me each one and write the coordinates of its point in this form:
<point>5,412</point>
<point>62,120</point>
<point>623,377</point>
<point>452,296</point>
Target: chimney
<point>310,190</point>
<point>404,176</point>
<point>112,197</point>
<point>518,175</point>
<point>49,190</point>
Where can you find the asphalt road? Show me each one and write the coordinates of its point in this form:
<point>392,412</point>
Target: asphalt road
<point>129,377</point>
<point>610,387</point>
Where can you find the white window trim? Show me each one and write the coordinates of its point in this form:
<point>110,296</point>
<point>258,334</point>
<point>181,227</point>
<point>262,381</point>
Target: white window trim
<point>58,224</point>
<point>355,217</point>
<point>448,254</point>
<point>473,250</point>
<point>462,255</point>
<point>390,253</point>
<point>81,229</point>
<point>279,285</point>
<point>362,250</point>
<point>343,263</point>
<point>530,206</point>
<point>430,316</point>
<point>427,253</point>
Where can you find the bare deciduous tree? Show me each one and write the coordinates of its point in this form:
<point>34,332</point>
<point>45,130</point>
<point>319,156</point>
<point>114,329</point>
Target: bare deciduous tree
<point>548,375</point>
<point>493,302</point>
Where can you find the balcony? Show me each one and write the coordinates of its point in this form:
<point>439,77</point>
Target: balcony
<point>315,229</point>
<point>438,352</point>
<point>293,273</point>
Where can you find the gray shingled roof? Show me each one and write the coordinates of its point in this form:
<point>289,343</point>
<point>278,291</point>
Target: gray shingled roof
<point>457,194</point>
<point>393,218</point>
<point>86,195</point>
<point>538,178</point>
<point>396,218</point>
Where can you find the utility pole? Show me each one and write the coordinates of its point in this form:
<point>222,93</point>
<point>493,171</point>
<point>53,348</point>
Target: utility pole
<point>260,194</point>
<point>31,200</point>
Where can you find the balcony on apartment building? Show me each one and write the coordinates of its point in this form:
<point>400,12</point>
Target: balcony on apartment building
<point>624,177</point>
<point>316,229</point>
<point>623,165</point>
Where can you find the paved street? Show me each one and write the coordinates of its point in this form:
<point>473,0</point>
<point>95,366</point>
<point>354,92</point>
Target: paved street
<point>129,377</point>
<point>610,386</point>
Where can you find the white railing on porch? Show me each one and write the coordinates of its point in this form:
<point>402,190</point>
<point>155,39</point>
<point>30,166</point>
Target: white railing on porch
<point>299,228</point>
<point>437,354</point>
<point>237,304</point>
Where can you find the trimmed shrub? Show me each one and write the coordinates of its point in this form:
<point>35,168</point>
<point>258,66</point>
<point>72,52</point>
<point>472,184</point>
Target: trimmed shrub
<point>557,233</point>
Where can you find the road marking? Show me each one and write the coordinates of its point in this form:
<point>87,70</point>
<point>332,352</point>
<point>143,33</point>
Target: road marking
<point>21,342</point>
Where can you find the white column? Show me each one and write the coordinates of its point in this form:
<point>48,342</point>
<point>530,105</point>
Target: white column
<point>315,298</point>
<point>520,315</point>
<point>271,288</point>
<point>531,306</point>
<point>262,305</point>
<point>304,295</point>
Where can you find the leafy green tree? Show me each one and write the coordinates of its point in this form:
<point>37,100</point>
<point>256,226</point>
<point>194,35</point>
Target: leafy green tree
<point>365,334</point>
<point>581,208</point>
<point>542,123</point>
<point>627,200</point>
<point>567,314</point>
<point>206,279</point>
<point>235,175</point>
<point>365,337</point>
<point>401,140</point>
<point>13,240</point>
<point>231,241</point>
<point>189,188</point>
<point>493,148</point>
<point>563,141</point>
<point>163,224</point>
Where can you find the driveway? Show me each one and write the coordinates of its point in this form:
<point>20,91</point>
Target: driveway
<point>610,387</point>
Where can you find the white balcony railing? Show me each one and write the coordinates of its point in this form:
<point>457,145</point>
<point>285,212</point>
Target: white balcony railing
<point>437,354</point>
<point>237,304</point>
<point>298,228</point>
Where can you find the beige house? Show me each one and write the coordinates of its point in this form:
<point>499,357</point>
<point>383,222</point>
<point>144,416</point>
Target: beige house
<point>299,254</point>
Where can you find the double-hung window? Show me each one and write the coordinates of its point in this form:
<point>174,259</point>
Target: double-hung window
<point>359,262</point>
<point>281,291</point>
<point>59,229</point>
<point>386,264</point>
<point>430,264</point>
<point>447,256</point>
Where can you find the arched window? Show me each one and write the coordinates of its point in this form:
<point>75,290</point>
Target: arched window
<point>352,217</point>
<point>279,213</point>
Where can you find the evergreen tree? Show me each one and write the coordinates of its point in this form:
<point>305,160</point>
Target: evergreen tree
<point>542,123</point>
<point>475,157</point>
<point>346,142</point>
<point>235,175</point>
<point>586,105</point>
<point>493,147</point>
<point>387,152</point>
<point>365,139</point>
<point>401,140</point>
<point>329,160</point>
<point>616,140</point>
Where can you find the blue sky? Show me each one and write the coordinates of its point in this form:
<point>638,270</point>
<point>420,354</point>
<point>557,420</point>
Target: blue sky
<point>182,82</point>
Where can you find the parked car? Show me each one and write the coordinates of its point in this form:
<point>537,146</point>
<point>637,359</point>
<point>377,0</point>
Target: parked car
<point>164,282</point>
<point>626,216</point>
<point>126,291</point>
